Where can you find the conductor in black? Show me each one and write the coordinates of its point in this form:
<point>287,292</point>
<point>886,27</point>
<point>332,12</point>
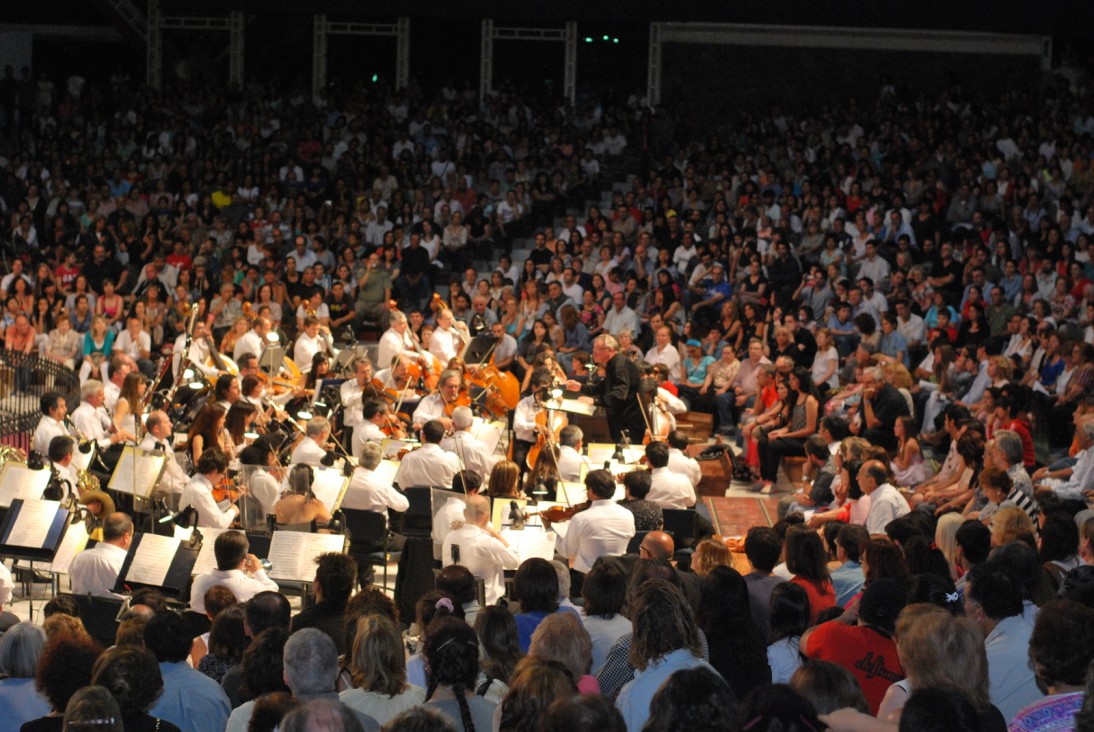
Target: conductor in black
<point>616,390</point>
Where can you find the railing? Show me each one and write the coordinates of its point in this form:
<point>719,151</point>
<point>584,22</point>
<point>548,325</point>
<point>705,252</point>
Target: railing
<point>23,381</point>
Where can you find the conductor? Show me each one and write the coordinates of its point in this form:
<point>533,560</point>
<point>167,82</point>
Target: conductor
<point>617,391</point>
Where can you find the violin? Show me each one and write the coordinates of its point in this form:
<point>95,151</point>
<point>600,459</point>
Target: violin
<point>556,514</point>
<point>462,400</point>
<point>227,490</point>
<point>393,428</point>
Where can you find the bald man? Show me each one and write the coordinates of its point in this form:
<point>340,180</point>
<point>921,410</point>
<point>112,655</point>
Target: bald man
<point>657,545</point>
<point>94,571</point>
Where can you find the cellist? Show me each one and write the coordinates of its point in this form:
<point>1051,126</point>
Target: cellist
<point>524,416</point>
<point>354,392</point>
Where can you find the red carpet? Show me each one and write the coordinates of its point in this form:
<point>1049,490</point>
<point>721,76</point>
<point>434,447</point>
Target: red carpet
<point>735,516</point>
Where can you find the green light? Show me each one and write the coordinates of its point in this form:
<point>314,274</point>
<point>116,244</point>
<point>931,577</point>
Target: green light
<point>615,40</point>
<point>375,78</point>
<point>606,37</point>
<point>588,39</point>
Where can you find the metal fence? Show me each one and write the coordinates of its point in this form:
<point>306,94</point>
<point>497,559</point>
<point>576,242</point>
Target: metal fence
<point>23,381</point>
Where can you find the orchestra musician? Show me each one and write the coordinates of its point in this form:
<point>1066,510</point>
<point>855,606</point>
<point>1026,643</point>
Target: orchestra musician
<point>449,337</point>
<point>308,343</point>
<point>375,418</point>
<point>264,482</point>
<point>437,406</point>
<point>471,452</point>
<point>60,452</point>
<point>199,353</point>
<point>95,571</point>
<point>524,416</point>
<point>312,448</point>
<point>617,391</point>
<point>253,341</point>
<point>90,418</point>
<point>211,469</point>
<point>570,440</point>
<point>237,569</point>
<point>52,424</point>
<point>428,465</point>
<point>399,340</point>
<point>298,505</point>
<point>353,402</point>
<point>157,437</point>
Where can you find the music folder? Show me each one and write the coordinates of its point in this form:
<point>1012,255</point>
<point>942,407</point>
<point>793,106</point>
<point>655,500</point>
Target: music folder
<point>33,529</point>
<point>160,562</point>
<point>292,554</point>
<point>17,480</point>
<point>137,471</point>
<point>573,406</point>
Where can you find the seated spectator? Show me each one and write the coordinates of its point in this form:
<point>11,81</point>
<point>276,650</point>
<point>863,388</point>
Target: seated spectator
<point>807,562</point>
<point>737,651</point>
<point>452,650</point>
<point>828,687</point>
<point>20,648</point>
<point>63,668</point>
<point>561,638</point>
<point>191,700</point>
<point>335,577</point>
<point>497,633</point>
<point>693,699</point>
<point>378,666</point>
<point>133,677</point>
<point>536,683</point>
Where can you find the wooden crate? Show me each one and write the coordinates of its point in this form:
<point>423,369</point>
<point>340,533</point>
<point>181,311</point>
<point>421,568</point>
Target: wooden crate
<point>698,426</point>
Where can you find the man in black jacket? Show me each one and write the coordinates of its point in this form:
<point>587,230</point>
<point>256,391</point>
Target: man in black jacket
<point>617,391</point>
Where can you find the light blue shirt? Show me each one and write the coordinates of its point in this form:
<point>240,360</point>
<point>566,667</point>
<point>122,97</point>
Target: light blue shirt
<point>191,700</point>
<point>847,581</point>
<point>633,701</point>
<point>1011,682</point>
<point>20,702</point>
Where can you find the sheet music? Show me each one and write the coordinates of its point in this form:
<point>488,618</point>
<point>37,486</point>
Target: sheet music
<point>500,510</point>
<point>531,542</point>
<point>489,433</point>
<point>207,559</point>
<point>293,553</point>
<point>386,471</point>
<point>152,559</point>
<point>33,523</point>
<point>137,471</point>
<point>328,486</point>
<point>391,447</point>
<point>599,452</point>
<point>571,405</point>
<point>19,481</point>
<point>75,541</point>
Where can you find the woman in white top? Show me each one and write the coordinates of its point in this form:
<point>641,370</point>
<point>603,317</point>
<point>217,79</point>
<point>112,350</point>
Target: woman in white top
<point>826,362</point>
<point>378,668</point>
<point>129,402</point>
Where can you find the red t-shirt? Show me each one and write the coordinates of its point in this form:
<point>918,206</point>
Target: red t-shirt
<point>1022,428</point>
<point>865,652</point>
<point>821,596</point>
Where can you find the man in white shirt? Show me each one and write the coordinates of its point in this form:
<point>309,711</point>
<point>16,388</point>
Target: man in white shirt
<point>52,424</point>
<point>668,489</point>
<point>95,571</point>
<point>90,419</point>
<point>570,460</point>
<point>237,569</point>
<point>396,340</point>
<point>603,529</point>
<point>197,355</point>
<point>254,340</point>
<point>448,338</point>
<point>433,406</point>
<point>352,392</point>
<point>505,352</point>
<point>158,437</point>
<point>1082,472</point>
<point>308,343</point>
<point>680,462</point>
<point>477,546</point>
<point>886,503</point>
<point>429,465</point>
<point>471,453</point>
<point>910,325</point>
<point>663,352</point>
<point>312,448</point>
<point>198,492</point>
<point>135,342</point>
<point>367,491</point>
<point>112,389</point>
<point>620,317</point>
<point>450,513</point>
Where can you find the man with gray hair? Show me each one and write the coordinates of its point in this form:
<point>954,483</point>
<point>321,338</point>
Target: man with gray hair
<point>325,714</point>
<point>881,404</point>
<point>311,670</point>
<point>370,491</point>
<point>91,420</point>
<point>478,546</point>
<point>472,453</point>
<point>1081,481</point>
<point>312,448</point>
<point>95,571</point>
<point>1007,445</point>
<point>569,453</point>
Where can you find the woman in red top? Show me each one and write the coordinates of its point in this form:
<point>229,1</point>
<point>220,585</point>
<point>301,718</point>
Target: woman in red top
<point>806,559</point>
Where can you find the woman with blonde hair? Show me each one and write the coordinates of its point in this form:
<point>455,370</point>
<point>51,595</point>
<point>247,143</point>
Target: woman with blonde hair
<point>503,480</point>
<point>937,649</point>
<point>945,538</point>
<point>98,345</point>
<point>1008,524</point>
<point>129,404</point>
<point>710,553</point>
<point>378,668</point>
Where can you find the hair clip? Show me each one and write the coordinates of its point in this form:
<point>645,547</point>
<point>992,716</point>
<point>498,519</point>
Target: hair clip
<point>445,603</point>
<point>952,597</point>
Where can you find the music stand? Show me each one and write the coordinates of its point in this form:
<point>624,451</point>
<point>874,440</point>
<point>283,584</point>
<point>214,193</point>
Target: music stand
<point>478,350</point>
<point>292,554</point>
<point>33,530</point>
<point>163,563</point>
<point>271,359</point>
<point>19,481</point>
<point>329,487</point>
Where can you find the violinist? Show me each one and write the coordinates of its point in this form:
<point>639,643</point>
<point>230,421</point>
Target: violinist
<point>211,470</point>
<point>524,416</point>
<point>603,529</point>
<point>309,343</point>
<point>353,393</point>
<point>472,453</point>
<point>429,464</point>
<point>375,420</point>
<point>313,447</point>
<point>298,505</point>
<point>569,452</point>
<point>439,406</point>
<point>263,481</point>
